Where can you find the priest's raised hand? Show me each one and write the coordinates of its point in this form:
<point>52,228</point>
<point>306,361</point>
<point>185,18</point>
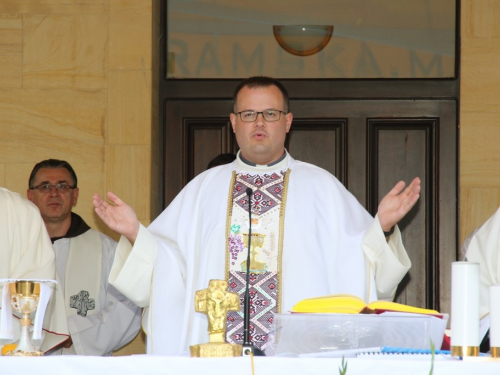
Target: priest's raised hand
<point>397,203</point>
<point>118,216</point>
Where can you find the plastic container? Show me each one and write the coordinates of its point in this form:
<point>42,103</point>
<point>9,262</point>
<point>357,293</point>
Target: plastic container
<point>317,333</point>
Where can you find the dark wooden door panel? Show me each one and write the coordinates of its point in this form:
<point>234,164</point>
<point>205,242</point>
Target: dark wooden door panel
<point>321,142</point>
<point>401,149</point>
<point>204,140</point>
<point>195,132</point>
<point>369,145</point>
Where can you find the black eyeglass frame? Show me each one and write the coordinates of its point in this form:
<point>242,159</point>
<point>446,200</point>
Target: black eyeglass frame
<point>263,113</point>
<point>58,187</point>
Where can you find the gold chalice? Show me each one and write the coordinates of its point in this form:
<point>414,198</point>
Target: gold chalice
<point>24,296</point>
<point>258,241</point>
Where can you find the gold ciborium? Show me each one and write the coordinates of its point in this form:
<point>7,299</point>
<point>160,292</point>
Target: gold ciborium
<point>24,296</point>
<point>258,241</point>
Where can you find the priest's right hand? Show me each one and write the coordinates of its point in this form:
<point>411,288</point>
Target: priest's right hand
<point>118,216</point>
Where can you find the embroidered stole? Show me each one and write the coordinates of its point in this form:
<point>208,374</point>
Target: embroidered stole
<point>83,274</point>
<point>268,212</point>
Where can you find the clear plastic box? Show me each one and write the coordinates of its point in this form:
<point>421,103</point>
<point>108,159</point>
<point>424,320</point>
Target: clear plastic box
<point>317,333</point>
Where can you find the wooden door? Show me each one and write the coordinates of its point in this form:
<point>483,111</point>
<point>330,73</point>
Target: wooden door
<point>369,145</point>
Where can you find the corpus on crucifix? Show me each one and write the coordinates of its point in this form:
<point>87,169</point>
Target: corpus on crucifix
<point>215,302</point>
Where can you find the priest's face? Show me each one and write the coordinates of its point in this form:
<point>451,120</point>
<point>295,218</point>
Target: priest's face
<point>261,142</point>
<point>54,205</point>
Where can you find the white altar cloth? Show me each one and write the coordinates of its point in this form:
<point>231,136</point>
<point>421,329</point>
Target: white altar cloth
<point>156,365</point>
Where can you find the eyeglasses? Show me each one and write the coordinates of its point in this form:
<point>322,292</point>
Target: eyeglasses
<point>269,115</point>
<point>47,188</point>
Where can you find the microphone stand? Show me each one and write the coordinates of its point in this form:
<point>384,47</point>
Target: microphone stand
<point>248,347</point>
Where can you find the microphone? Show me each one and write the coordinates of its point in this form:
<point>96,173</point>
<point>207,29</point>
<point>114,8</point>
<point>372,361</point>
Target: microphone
<point>248,347</point>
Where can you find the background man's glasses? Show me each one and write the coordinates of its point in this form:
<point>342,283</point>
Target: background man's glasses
<point>270,115</point>
<point>47,188</point>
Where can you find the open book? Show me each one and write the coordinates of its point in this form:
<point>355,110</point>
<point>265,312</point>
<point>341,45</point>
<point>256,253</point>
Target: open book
<point>349,304</point>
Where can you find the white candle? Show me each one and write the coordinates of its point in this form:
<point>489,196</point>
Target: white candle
<point>495,316</point>
<point>465,308</point>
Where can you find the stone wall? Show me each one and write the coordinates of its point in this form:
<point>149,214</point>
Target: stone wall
<point>479,113</point>
<point>76,84</point>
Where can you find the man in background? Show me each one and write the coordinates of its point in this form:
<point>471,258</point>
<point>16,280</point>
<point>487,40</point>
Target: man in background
<point>221,159</point>
<point>100,319</point>
<point>26,253</point>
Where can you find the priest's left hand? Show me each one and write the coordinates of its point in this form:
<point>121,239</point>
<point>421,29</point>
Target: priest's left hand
<point>397,203</point>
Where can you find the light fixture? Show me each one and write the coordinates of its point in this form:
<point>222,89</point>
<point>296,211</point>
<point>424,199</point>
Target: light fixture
<point>302,40</point>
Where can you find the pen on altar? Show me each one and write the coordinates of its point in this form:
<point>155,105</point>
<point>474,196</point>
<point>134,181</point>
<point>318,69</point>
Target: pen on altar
<point>394,350</point>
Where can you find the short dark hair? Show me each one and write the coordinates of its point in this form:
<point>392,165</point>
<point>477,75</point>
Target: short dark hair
<point>221,160</point>
<point>52,164</point>
<point>261,82</point>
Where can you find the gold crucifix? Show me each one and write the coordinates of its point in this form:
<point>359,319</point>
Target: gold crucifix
<point>215,302</point>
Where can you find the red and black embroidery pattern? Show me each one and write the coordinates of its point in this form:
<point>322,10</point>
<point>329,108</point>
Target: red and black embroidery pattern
<point>264,289</point>
<point>267,191</point>
<point>263,296</point>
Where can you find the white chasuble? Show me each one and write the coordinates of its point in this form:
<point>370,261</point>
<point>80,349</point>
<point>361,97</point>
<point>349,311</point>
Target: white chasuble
<point>26,253</point>
<point>267,212</point>
<point>100,319</point>
<point>329,245</point>
<point>483,248</point>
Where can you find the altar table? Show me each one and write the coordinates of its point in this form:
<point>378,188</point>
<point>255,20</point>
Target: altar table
<point>156,365</point>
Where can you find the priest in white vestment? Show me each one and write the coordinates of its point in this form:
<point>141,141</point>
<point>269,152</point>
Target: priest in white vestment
<point>100,318</point>
<point>26,253</point>
<point>310,236</point>
<point>483,246</point>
